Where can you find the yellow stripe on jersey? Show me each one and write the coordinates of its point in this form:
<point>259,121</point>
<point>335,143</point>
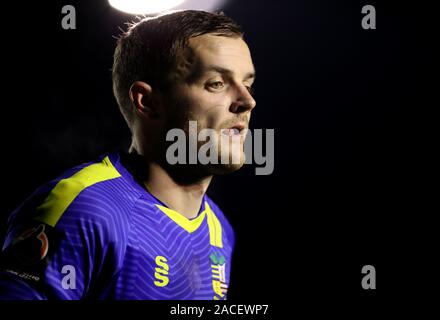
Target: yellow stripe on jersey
<point>181,220</point>
<point>66,190</point>
<point>215,228</point>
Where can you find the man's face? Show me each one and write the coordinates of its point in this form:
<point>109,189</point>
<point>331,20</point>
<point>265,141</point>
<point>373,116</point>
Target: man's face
<point>212,86</point>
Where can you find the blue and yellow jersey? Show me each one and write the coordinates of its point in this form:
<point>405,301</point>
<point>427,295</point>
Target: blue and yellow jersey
<point>96,233</point>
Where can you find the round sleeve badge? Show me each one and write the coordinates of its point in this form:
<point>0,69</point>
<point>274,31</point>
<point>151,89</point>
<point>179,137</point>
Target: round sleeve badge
<point>31,246</point>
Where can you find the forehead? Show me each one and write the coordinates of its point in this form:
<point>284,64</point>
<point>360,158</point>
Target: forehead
<point>224,52</point>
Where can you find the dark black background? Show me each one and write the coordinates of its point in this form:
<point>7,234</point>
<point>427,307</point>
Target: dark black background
<point>351,113</point>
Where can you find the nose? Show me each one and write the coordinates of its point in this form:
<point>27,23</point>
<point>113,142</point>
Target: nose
<point>243,100</point>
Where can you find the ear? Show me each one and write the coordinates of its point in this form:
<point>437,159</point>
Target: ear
<point>141,95</point>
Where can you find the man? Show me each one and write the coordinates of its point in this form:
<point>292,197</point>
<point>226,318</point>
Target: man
<point>135,226</point>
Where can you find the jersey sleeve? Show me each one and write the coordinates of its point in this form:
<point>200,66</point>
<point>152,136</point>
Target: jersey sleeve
<point>74,258</point>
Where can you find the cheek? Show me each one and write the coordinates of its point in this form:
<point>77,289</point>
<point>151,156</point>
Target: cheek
<point>209,110</point>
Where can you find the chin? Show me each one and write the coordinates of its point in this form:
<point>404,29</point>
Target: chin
<point>220,169</point>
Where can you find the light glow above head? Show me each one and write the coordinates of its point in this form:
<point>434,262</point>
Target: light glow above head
<point>157,6</point>
<point>144,6</point>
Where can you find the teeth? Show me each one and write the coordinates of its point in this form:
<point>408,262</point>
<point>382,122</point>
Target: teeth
<point>231,132</point>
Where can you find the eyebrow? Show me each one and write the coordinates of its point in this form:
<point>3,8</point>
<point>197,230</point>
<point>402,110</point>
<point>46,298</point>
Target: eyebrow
<point>248,76</point>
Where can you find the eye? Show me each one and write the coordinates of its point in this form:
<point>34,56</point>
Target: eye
<point>250,90</point>
<point>216,85</point>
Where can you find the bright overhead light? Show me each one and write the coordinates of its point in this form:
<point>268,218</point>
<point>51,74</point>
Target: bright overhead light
<point>156,6</point>
<point>144,6</point>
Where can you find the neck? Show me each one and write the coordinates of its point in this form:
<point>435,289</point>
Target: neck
<point>170,186</point>
<point>183,198</point>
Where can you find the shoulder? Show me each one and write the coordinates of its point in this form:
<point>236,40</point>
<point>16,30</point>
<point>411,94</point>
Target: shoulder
<point>93,195</point>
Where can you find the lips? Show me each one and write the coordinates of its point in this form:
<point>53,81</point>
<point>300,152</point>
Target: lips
<point>231,132</point>
<point>235,130</point>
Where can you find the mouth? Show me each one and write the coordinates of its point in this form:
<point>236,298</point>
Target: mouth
<point>236,130</point>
